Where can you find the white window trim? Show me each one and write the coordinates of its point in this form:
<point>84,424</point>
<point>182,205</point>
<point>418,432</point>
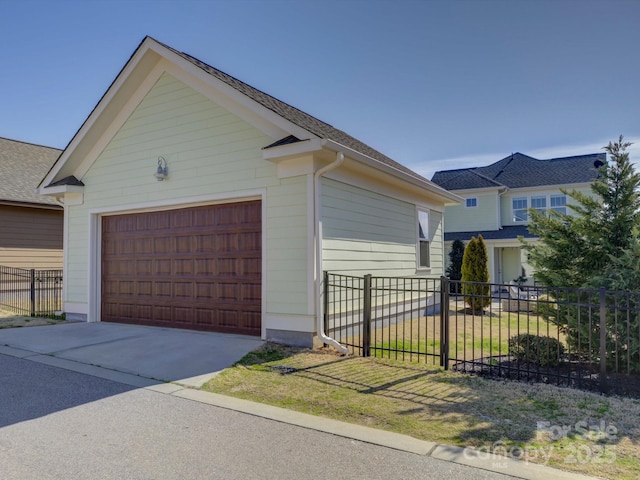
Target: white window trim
<point>466,203</point>
<point>529,198</point>
<point>422,220</point>
<point>513,210</point>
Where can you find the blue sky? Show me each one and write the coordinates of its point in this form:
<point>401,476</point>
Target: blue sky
<point>433,84</point>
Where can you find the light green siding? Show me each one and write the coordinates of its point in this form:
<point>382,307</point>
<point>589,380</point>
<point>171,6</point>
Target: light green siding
<point>365,232</point>
<point>460,218</point>
<point>209,151</point>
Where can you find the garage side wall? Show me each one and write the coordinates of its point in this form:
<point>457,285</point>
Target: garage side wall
<point>213,156</point>
<point>366,232</point>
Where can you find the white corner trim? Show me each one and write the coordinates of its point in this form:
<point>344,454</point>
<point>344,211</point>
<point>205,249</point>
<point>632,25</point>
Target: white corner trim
<point>311,248</point>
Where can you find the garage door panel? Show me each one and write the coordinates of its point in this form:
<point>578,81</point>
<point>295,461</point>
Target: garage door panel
<point>194,268</point>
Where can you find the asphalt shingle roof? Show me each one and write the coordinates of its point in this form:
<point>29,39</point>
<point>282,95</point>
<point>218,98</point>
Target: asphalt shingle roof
<point>518,170</point>
<point>296,116</point>
<point>22,167</point>
<point>505,233</point>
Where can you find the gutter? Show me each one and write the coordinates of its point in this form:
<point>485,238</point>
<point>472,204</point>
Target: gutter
<point>318,231</point>
<point>499,212</point>
<point>380,166</point>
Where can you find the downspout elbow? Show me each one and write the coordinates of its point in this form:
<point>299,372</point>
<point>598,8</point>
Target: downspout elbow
<point>318,226</point>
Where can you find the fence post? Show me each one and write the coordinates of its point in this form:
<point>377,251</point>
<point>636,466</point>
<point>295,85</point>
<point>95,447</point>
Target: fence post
<point>444,322</point>
<point>325,301</point>
<point>366,317</point>
<point>32,309</point>
<point>603,340</point>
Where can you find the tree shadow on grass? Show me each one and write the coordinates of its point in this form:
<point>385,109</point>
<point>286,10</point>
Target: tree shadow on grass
<point>479,412</point>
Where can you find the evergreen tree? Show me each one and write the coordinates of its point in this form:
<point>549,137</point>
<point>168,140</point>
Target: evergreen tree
<point>454,270</point>
<point>475,275</point>
<point>574,249</point>
<point>598,246</point>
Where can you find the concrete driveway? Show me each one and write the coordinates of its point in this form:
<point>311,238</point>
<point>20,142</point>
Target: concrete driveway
<point>165,354</point>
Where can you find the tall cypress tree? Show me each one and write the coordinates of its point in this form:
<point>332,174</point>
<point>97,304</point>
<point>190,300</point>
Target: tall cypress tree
<point>475,275</point>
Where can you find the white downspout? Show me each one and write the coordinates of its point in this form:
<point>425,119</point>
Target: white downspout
<point>318,227</point>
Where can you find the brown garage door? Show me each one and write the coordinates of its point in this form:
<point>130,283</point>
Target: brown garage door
<point>196,268</point>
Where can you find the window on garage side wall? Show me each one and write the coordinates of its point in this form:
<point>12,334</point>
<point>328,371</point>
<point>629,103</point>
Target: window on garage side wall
<point>423,239</point>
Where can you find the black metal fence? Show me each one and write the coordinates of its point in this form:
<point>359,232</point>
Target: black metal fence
<point>30,292</point>
<point>587,339</point>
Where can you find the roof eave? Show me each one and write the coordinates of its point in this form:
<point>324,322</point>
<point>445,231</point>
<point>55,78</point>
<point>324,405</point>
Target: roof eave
<point>377,165</point>
<point>59,190</point>
<point>15,203</point>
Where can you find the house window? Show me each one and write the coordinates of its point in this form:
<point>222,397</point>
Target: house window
<point>472,202</point>
<point>559,203</point>
<point>539,203</point>
<point>519,205</point>
<point>423,239</point>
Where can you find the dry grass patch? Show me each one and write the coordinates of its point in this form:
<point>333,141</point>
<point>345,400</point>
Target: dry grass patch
<point>428,403</point>
<point>12,320</point>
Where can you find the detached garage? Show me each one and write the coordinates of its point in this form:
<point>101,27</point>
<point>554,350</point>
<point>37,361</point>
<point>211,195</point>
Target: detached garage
<point>193,200</point>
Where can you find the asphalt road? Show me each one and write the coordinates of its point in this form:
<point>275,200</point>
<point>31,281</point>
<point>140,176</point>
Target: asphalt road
<point>59,424</point>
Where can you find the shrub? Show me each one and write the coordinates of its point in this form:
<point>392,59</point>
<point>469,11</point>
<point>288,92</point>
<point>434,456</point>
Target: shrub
<point>475,275</point>
<point>454,270</point>
<point>536,349</point>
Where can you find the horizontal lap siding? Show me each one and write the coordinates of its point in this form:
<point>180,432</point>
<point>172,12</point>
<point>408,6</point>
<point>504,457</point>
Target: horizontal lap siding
<point>209,151</point>
<point>365,232</point>
<point>467,219</point>
<point>286,230</point>
<point>31,237</point>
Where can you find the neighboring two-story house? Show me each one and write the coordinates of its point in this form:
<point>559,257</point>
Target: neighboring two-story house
<point>497,199</point>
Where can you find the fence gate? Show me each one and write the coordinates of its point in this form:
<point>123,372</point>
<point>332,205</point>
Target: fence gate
<point>388,317</point>
<point>30,292</point>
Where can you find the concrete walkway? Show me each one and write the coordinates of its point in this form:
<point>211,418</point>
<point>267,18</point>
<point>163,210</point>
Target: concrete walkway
<point>172,362</point>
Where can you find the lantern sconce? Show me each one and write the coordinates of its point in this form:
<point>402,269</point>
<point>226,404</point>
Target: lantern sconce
<point>163,171</point>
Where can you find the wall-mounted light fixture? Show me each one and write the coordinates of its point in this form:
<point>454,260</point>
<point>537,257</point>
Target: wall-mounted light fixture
<point>163,171</point>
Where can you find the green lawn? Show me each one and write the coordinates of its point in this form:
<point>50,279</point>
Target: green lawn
<point>423,401</point>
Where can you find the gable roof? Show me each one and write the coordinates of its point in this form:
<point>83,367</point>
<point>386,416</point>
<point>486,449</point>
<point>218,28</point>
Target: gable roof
<point>291,124</point>
<point>519,171</point>
<point>294,115</point>
<point>22,166</point>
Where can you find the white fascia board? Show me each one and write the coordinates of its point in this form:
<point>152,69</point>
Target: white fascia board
<point>98,110</point>
<point>545,188</point>
<point>60,190</point>
<point>479,191</point>
<point>149,62</point>
<point>231,99</point>
<point>446,195</point>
